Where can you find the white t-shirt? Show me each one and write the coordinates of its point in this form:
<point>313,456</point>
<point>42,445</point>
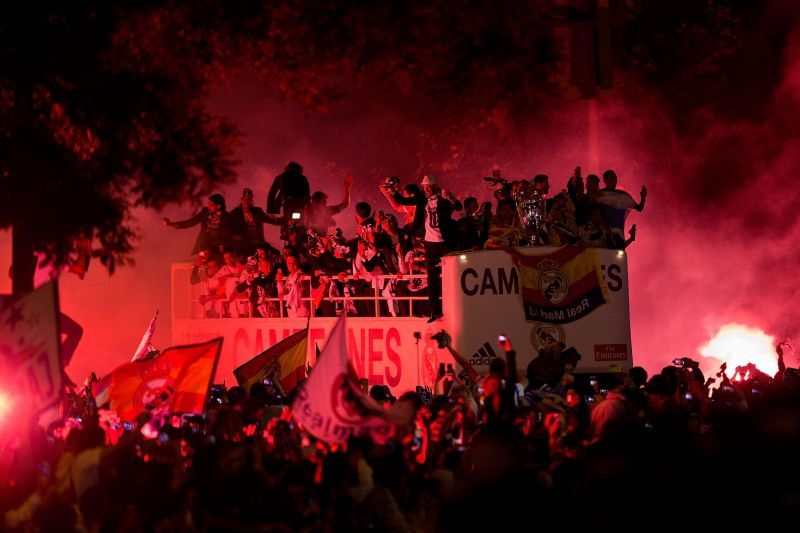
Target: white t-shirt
<point>291,287</point>
<point>433,233</point>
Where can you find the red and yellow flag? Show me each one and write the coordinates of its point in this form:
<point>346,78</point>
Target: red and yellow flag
<point>562,286</point>
<point>284,363</point>
<point>178,378</point>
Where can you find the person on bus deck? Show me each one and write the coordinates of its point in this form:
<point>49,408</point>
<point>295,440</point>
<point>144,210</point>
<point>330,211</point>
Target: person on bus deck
<point>247,223</point>
<point>291,290</point>
<point>410,190</point>
<point>290,192</point>
<point>319,215</point>
<point>505,230</point>
<point>434,213</point>
<point>214,225</point>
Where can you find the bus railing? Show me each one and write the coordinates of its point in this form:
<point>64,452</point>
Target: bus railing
<point>203,303</point>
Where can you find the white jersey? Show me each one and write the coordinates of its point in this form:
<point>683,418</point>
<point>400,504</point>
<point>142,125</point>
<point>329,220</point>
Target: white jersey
<point>433,233</point>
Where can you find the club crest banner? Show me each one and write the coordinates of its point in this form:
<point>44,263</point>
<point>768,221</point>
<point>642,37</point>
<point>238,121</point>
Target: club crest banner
<point>561,286</point>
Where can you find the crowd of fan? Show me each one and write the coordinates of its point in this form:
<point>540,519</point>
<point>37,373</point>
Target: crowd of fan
<point>320,270</point>
<point>618,454</point>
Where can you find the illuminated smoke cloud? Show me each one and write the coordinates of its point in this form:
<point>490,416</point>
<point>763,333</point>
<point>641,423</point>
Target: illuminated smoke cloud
<point>739,345</point>
<point>717,241</point>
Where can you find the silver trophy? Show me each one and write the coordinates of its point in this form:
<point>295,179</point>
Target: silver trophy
<point>532,212</point>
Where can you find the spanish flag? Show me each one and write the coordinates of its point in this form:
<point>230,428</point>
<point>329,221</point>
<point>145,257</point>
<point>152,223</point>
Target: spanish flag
<point>561,286</point>
<point>178,379</point>
<point>284,363</point>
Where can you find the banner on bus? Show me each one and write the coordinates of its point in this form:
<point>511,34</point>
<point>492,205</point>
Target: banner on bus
<point>481,296</point>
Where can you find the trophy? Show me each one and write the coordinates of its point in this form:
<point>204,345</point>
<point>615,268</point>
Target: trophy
<point>532,212</point>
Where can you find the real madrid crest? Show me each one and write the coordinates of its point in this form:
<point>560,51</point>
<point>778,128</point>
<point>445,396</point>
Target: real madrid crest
<point>156,387</point>
<point>553,284</point>
<point>547,335</point>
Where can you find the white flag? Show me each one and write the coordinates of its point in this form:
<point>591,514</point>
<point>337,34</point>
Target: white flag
<point>29,347</point>
<point>330,405</point>
<point>617,199</point>
<point>146,346</point>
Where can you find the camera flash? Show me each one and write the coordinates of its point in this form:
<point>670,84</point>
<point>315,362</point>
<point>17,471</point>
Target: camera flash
<point>463,257</point>
<point>295,216</point>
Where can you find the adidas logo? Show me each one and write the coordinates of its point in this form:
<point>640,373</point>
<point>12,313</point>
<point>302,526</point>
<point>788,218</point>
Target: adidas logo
<point>484,355</point>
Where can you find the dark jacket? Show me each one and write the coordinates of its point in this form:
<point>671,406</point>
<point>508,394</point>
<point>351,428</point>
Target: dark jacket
<point>472,232</point>
<point>445,210</point>
<point>245,237</point>
<point>210,238</point>
<point>548,366</point>
<point>289,190</point>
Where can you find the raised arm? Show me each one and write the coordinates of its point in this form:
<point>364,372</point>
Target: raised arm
<point>632,237</point>
<point>455,203</point>
<point>273,197</point>
<point>348,185</point>
<point>473,375</point>
<point>189,222</point>
<point>399,199</point>
<point>389,194</point>
<point>640,206</point>
<point>260,215</point>
<point>279,284</point>
<point>781,363</point>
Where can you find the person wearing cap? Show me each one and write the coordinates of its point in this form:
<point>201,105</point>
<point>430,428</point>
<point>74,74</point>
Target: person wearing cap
<point>214,225</point>
<point>247,223</point>
<point>434,213</point>
<point>319,215</point>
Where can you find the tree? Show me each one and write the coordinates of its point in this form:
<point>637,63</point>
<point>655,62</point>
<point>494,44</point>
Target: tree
<point>101,110</point>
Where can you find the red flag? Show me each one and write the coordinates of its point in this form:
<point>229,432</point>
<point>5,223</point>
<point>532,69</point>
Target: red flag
<point>178,378</point>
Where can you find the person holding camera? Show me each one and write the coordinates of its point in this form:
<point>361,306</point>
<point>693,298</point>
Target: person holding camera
<point>289,196</point>
<point>290,191</point>
<point>434,213</point>
<point>390,186</point>
<point>444,340</point>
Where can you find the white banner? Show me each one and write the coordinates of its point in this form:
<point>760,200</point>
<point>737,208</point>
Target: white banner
<point>383,350</point>
<point>481,297</point>
<point>330,406</point>
<point>30,363</point>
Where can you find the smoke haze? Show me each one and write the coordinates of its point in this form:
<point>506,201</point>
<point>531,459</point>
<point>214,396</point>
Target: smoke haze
<point>717,241</point>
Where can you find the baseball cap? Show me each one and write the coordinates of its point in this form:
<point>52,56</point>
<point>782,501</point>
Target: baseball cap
<point>429,179</point>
